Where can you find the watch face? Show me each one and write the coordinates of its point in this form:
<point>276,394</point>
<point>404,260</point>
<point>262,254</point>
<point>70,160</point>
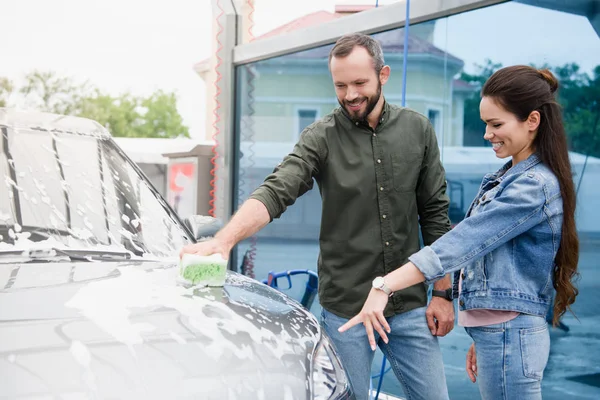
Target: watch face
<point>378,282</point>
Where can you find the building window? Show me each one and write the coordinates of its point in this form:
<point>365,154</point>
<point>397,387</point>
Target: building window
<point>305,118</point>
<point>435,118</point>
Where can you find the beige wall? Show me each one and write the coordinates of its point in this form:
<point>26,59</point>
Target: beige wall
<point>277,98</point>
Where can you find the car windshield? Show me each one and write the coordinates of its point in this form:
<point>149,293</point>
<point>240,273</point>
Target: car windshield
<point>77,191</point>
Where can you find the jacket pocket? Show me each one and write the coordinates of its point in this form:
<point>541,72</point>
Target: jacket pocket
<point>480,203</point>
<point>535,349</point>
<point>405,171</point>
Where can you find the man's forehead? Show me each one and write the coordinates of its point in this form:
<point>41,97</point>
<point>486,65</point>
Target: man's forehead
<point>351,68</point>
<point>358,55</point>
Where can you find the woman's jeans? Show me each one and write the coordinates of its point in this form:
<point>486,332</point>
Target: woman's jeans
<point>511,358</point>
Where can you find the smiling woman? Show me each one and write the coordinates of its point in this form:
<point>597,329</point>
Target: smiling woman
<point>516,247</point>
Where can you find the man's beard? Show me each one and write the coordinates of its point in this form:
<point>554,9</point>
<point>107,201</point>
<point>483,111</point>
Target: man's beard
<point>371,103</point>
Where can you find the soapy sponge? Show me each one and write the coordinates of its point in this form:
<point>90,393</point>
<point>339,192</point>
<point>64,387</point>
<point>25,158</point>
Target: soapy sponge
<point>203,270</point>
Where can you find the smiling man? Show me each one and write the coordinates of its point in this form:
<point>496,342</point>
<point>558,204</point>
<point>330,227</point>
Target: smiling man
<point>380,177</point>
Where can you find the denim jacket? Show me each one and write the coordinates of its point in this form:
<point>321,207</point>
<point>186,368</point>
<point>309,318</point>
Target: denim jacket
<point>506,245</point>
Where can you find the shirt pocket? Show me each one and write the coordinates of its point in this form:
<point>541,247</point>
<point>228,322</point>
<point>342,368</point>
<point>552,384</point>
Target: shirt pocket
<point>405,171</point>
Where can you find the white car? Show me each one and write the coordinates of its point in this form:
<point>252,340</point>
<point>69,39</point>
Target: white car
<point>91,303</point>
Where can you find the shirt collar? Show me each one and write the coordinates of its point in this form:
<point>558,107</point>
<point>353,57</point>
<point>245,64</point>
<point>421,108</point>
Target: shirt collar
<point>508,168</point>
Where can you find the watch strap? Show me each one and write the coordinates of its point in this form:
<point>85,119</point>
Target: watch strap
<point>446,294</point>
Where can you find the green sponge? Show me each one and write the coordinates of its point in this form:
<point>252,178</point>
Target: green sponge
<point>203,270</point>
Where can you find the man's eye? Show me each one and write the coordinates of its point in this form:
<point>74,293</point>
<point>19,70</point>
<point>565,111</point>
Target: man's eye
<point>497,125</point>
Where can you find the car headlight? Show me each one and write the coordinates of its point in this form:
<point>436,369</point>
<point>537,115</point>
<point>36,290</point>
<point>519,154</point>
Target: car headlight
<point>329,379</point>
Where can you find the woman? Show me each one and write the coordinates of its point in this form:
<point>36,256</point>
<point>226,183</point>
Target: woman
<point>517,245</point>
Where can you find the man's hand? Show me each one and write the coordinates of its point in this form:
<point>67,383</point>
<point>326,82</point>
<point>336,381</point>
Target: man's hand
<point>440,316</point>
<point>472,363</point>
<point>210,247</point>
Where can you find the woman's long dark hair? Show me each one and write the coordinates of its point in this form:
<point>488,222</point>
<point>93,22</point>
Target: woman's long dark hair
<point>520,90</point>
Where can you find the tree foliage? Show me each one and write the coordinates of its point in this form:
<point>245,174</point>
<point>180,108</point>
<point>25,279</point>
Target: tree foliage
<point>123,115</point>
<point>6,89</point>
<point>578,94</point>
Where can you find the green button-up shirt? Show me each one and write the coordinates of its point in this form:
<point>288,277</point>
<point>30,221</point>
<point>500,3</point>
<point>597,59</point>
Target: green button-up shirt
<point>377,186</point>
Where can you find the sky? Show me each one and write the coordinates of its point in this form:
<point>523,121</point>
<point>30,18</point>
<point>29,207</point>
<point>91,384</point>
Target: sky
<point>139,46</point>
<point>135,46</point>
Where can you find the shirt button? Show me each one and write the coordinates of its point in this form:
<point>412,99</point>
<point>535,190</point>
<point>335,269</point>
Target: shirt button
<point>381,188</point>
<point>378,161</point>
<point>462,303</point>
<point>384,216</point>
<point>356,123</point>
<point>387,243</point>
<point>374,134</point>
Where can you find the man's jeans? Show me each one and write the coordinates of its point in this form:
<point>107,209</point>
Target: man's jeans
<point>511,357</point>
<point>413,352</point>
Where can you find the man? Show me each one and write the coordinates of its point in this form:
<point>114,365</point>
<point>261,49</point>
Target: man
<point>380,176</point>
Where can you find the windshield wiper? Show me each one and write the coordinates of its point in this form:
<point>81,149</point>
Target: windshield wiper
<point>56,254</point>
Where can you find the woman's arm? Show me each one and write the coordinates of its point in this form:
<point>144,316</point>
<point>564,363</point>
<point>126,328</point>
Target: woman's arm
<point>517,209</point>
<point>371,314</point>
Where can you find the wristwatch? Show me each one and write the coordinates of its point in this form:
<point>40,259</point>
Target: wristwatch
<point>446,294</point>
<point>379,284</point>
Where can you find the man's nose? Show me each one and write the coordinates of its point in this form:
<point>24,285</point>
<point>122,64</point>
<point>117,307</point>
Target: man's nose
<point>351,95</point>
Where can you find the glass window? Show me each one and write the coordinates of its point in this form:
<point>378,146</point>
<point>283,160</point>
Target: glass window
<point>306,117</point>
<point>78,191</point>
<point>269,123</point>
<point>448,61</point>
<point>461,61</point>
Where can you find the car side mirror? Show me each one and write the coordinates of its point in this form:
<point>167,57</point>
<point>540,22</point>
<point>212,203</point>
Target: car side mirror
<point>203,227</point>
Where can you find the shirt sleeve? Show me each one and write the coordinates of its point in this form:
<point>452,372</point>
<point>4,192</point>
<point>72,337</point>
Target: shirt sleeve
<point>432,200</point>
<point>293,176</point>
<point>511,212</point>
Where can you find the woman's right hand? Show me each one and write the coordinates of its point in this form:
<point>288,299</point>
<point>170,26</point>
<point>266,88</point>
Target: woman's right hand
<point>472,363</point>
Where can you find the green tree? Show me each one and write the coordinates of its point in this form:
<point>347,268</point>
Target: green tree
<point>578,94</point>
<point>123,115</point>
<point>46,91</point>
<point>6,89</point>
<point>474,127</point>
<point>129,116</point>
<point>161,118</point>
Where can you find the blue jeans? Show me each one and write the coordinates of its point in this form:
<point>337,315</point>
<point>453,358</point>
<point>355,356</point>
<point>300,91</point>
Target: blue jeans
<point>413,352</point>
<point>511,357</point>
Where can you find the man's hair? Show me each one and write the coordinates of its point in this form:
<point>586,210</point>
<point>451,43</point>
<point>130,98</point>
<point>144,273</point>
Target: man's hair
<point>344,46</point>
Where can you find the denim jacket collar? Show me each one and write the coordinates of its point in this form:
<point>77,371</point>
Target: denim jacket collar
<point>508,170</point>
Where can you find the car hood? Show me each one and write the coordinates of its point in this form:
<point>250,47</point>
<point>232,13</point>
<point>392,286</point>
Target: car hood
<point>135,330</point>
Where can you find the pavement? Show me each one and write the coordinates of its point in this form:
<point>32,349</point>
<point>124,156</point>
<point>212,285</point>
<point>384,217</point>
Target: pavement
<point>573,370</point>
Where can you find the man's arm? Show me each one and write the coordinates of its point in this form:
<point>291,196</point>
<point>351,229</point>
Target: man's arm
<point>291,179</point>
<point>432,200</point>
<point>433,204</point>
<point>249,219</point>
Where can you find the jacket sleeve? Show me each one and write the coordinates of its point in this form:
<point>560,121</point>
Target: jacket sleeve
<point>293,176</point>
<point>432,200</point>
<point>511,212</point>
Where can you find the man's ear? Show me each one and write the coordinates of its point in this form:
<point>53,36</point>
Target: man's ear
<point>384,74</point>
<point>533,121</point>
